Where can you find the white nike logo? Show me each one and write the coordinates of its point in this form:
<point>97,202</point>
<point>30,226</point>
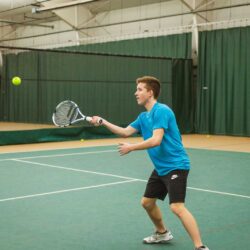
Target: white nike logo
<point>174,176</point>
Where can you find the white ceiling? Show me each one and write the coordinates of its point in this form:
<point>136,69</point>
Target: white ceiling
<point>20,11</point>
<point>20,26</point>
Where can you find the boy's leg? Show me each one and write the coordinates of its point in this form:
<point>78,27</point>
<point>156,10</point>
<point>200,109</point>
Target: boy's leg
<point>162,235</point>
<point>154,212</point>
<point>188,222</point>
<point>155,189</point>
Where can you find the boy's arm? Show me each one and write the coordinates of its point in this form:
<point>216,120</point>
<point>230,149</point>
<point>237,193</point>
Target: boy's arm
<point>155,140</point>
<point>123,132</point>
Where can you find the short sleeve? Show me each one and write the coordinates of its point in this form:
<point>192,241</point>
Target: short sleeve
<point>161,119</point>
<point>136,124</point>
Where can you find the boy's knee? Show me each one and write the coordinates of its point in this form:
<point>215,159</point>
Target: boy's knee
<point>177,208</point>
<point>147,203</point>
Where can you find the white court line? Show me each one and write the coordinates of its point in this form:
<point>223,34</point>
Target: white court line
<point>60,149</point>
<point>75,169</point>
<point>218,192</point>
<point>60,155</point>
<point>65,190</point>
<point>130,178</point>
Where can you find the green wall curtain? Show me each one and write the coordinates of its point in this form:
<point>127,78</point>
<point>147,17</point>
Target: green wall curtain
<point>103,85</point>
<point>172,46</point>
<point>183,94</point>
<point>100,84</point>
<point>223,100</point>
<point>18,101</point>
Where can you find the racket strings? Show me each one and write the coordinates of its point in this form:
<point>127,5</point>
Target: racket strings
<point>65,114</point>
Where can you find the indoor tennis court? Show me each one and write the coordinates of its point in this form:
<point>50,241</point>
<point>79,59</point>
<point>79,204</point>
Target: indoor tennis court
<point>89,198</point>
<point>69,88</point>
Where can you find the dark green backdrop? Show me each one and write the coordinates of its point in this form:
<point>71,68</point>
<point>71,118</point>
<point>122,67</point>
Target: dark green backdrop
<point>218,104</point>
<point>102,85</point>
<point>223,90</point>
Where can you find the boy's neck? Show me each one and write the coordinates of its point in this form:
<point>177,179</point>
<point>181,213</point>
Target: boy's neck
<point>149,105</point>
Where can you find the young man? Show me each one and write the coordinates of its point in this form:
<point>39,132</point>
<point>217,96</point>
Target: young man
<point>162,140</point>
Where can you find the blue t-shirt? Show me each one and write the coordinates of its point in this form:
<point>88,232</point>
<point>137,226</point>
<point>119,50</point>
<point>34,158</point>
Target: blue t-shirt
<point>170,154</point>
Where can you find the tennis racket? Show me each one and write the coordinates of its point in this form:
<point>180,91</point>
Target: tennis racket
<point>68,113</point>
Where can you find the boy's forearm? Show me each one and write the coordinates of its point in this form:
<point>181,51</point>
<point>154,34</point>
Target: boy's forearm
<point>114,128</point>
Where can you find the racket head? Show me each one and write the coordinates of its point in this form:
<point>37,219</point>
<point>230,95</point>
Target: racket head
<point>65,113</point>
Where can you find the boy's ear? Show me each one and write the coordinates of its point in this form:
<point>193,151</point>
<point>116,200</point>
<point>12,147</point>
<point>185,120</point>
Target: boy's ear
<point>151,92</point>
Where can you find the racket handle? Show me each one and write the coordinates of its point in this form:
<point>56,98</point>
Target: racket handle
<point>88,118</point>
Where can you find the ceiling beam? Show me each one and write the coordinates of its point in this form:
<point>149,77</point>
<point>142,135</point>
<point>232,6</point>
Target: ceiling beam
<point>62,5</point>
<point>192,9</point>
<point>204,4</point>
<point>25,24</point>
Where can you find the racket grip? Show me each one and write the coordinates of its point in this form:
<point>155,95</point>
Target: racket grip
<point>88,118</point>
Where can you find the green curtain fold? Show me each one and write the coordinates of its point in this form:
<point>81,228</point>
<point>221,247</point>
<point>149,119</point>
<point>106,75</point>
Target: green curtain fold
<point>183,94</point>
<point>223,89</point>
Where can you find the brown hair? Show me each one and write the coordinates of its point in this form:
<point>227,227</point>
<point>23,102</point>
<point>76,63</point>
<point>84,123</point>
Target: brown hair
<point>152,83</point>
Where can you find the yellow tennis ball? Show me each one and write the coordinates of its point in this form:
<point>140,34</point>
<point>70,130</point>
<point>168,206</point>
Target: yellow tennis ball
<point>82,140</point>
<point>16,80</point>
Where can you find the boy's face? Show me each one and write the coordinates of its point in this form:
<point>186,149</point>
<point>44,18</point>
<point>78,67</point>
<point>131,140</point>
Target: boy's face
<point>142,94</point>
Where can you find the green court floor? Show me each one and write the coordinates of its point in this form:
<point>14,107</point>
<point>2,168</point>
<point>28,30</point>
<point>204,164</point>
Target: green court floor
<point>89,199</point>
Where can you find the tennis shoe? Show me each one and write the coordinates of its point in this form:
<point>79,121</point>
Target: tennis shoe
<point>157,238</point>
<point>202,248</point>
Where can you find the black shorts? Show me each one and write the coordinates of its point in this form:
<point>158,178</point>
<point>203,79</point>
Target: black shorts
<point>174,184</point>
